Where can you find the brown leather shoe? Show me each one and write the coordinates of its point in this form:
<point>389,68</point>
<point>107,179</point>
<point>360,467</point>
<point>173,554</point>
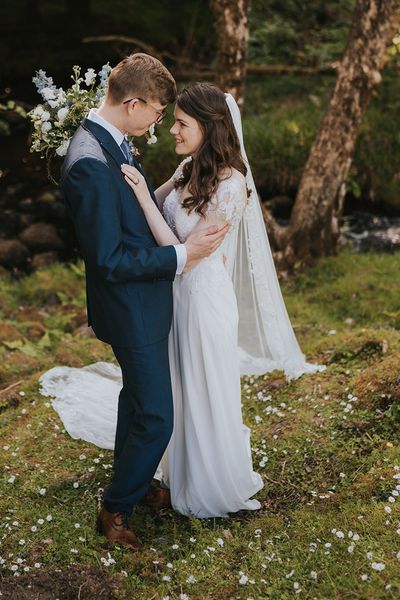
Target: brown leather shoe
<point>157,497</point>
<point>115,527</point>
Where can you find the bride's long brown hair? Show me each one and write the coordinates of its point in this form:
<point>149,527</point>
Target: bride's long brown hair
<point>219,150</point>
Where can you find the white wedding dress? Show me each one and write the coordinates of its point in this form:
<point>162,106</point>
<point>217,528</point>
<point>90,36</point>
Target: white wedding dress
<point>208,464</point>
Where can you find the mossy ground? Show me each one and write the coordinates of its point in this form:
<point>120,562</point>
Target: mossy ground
<point>326,446</point>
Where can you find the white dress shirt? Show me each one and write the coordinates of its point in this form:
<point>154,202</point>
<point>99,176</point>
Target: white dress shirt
<point>180,249</point>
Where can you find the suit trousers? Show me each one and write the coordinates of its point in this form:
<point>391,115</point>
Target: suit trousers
<point>144,423</point>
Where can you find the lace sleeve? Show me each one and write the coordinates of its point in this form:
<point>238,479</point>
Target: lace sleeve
<point>229,201</point>
<point>178,173</point>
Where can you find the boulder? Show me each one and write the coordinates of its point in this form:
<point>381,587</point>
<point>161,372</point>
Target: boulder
<point>43,259</point>
<point>13,253</point>
<point>40,237</point>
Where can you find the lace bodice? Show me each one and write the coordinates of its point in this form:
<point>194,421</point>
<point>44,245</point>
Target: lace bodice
<point>226,204</point>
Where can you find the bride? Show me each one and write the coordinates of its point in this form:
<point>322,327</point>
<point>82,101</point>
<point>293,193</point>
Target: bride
<point>229,317</point>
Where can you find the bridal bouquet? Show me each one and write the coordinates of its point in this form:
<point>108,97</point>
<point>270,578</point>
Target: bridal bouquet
<point>56,119</point>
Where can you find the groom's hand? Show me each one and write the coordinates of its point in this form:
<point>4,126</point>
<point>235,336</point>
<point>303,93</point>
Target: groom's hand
<point>202,243</point>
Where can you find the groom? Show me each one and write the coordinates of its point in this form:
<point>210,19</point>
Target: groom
<point>129,279</point>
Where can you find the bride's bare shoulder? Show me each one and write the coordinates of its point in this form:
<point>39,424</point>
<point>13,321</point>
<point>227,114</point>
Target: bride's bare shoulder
<point>232,174</point>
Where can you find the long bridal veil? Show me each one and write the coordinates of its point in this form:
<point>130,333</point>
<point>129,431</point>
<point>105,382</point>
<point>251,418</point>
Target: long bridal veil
<point>266,337</point>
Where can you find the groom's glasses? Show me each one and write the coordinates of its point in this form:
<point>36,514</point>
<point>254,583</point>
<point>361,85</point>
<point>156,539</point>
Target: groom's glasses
<point>160,113</point>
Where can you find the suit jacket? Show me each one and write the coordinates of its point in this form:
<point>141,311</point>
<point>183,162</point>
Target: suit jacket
<point>128,277</point>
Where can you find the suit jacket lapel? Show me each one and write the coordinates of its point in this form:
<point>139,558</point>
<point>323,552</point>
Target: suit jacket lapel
<point>107,141</point>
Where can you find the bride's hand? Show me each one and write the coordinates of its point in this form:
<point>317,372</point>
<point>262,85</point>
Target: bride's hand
<point>136,181</point>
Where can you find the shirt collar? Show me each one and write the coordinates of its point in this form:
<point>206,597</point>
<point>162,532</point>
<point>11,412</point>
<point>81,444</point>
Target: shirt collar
<point>114,131</point>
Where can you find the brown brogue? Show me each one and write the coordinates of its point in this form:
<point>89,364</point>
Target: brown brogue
<point>115,527</point>
<point>157,497</point>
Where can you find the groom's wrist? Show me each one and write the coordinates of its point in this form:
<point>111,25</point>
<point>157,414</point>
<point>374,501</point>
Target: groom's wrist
<point>181,258</point>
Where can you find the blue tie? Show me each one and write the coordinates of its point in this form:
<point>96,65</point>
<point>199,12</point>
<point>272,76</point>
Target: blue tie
<point>127,151</point>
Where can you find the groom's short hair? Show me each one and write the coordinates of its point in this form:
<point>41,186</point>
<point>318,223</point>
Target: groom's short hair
<point>141,75</point>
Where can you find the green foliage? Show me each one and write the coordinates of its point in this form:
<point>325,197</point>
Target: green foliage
<point>293,32</point>
<point>377,155</point>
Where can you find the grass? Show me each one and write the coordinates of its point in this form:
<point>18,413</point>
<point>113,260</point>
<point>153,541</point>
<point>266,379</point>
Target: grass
<point>326,446</point>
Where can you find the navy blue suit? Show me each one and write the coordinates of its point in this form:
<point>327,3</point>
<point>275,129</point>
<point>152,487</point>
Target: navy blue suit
<point>129,303</point>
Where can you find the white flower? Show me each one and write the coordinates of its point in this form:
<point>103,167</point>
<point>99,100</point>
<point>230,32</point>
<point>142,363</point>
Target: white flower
<point>166,578</point>
<point>191,579</point>
<point>313,574</point>
<point>90,77</point>
<point>49,518</point>
<point>48,93</point>
<point>152,139</point>
<point>41,80</point>
<point>62,151</point>
<point>11,479</point>
<point>289,574</point>
<point>37,112</point>
<point>46,127</point>
<point>45,116</point>
<point>339,534</point>
<point>42,491</point>
<point>61,114</point>
<point>33,528</point>
<point>243,580</point>
<point>364,577</point>
<point>40,521</point>
<point>398,556</point>
<point>377,566</point>
<point>103,74</point>
<point>175,546</point>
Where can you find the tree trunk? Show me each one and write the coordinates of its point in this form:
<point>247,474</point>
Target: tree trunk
<point>231,20</point>
<point>313,229</point>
